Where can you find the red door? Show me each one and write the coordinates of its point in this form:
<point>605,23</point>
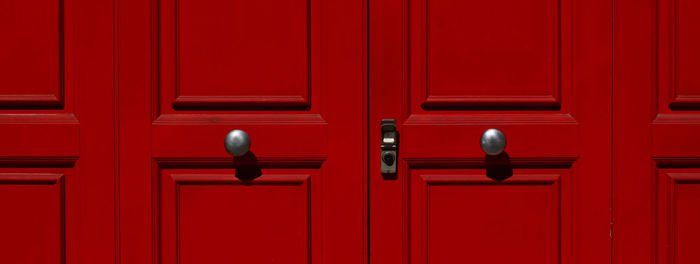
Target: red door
<point>446,71</point>
<point>288,73</point>
<point>57,162</point>
<point>114,114</point>
<point>656,188</point>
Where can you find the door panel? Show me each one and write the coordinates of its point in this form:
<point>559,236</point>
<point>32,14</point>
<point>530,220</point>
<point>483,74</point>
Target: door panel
<point>678,200</point>
<point>291,75</point>
<point>461,215</point>
<point>216,217</point>
<point>657,123</point>
<point>57,168</point>
<point>677,20</point>
<point>34,209</point>
<point>238,54</point>
<point>449,70</point>
<point>464,62</point>
<point>32,70</point>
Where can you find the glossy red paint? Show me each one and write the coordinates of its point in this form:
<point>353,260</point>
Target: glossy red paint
<point>57,163</point>
<point>540,71</point>
<point>113,116</point>
<point>656,151</point>
<point>289,73</point>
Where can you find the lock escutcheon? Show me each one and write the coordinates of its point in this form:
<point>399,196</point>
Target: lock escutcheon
<point>389,146</point>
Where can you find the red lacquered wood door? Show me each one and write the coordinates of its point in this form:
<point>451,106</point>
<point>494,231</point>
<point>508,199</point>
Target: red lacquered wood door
<point>290,73</point>
<point>56,132</point>
<point>539,71</point>
<point>656,152</point>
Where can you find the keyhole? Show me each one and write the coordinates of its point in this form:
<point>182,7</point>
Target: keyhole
<point>388,159</point>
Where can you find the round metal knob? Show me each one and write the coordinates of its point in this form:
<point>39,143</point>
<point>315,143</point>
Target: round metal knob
<point>493,141</point>
<point>237,142</point>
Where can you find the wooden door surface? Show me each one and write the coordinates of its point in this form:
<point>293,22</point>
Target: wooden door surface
<point>289,73</point>
<point>57,162</point>
<point>656,151</point>
<point>446,71</point>
<point>113,116</point>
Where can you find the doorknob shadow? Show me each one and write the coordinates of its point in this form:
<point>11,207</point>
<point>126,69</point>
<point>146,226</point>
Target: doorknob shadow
<point>247,167</point>
<point>498,167</point>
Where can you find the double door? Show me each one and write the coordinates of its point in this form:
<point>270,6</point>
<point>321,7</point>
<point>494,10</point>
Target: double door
<point>324,131</point>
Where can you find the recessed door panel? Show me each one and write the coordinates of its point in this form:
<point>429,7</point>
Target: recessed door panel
<point>237,54</point>
<point>685,51</point>
<point>687,201</point>
<point>32,55</point>
<point>678,83</point>
<point>492,53</point>
<point>209,216</point>
<point>33,223</point>
<point>464,215</point>
<point>678,200</point>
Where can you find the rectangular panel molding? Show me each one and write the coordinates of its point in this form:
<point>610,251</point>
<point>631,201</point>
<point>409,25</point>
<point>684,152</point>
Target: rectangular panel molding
<point>481,55</point>
<point>213,215</point>
<point>33,218</point>
<point>678,200</point>
<point>32,54</point>
<point>527,212</point>
<point>263,57</point>
<point>678,53</point>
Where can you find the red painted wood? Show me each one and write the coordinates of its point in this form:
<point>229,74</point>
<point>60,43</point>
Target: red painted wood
<point>25,130</point>
<point>33,61</point>
<point>678,197</point>
<point>519,66</point>
<point>524,210</point>
<point>307,128</point>
<point>561,132</point>
<point>655,152</point>
<point>271,212</point>
<point>263,53</point>
<point>540,71</point>
<point>33,206</point>
<point>113,113</point>
<point>57,132</point>
<point>291,74</point>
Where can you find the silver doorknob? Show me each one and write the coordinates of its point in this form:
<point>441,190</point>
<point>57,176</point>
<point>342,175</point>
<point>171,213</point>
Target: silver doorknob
<point>493,141</point>
<point>237,142</point>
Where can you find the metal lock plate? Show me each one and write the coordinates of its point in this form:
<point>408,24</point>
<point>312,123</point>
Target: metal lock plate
<point>389,146</point>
